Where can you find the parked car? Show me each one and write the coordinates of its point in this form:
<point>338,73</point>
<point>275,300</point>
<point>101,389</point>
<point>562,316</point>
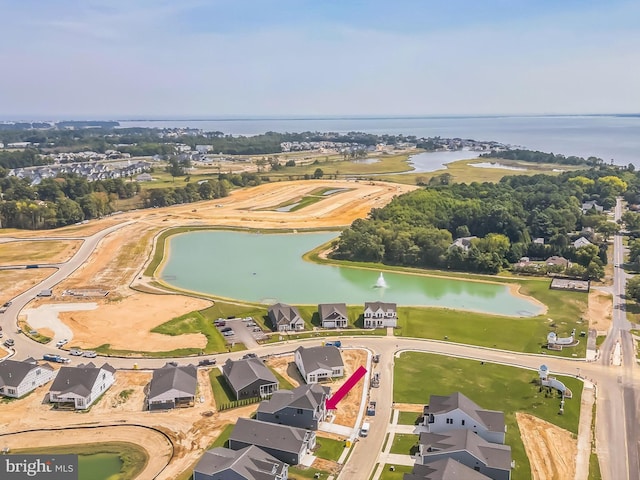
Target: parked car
<point>8,304</point>
<point>62,343</point>
<point>9,342</point>
<point>336,343</point>
<point>227,329</point>
<point>257,329</point>
<point>228,333</point>
<point>90,354</point>
<point>76,353</point>
<point>219,323</point>
<point>173,364</point>
<point>207,361</point>
<point>251,324</point>
<point>249,355</point>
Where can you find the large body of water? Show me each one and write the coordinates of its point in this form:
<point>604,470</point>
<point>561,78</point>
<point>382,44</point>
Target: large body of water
<point>608,137</point>
<point>269,268</point>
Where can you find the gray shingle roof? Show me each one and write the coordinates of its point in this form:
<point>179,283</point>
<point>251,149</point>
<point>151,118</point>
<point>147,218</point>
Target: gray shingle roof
<point>265,434</point>
<point>242,373</point>
<point>444,469</point>
<point>307,397</point>
<point>250,462</point>
<point>332,311</point>
<point>314,358</point>
<point>493,455</point>
<point>283,314</point>
<point>78,380</point>
<point>183,379</point>
<point>492,420</point>
<point>380,306</point>
<point>12,372</point>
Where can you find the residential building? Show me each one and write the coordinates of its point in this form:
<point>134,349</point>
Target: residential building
<point>285,318</point>
<point>78,387</point>
<point>463,242</point>
<point>144,177</point>
<point>458,411</point>
<point>333,315</point>
<point>586,206</point>
<point>287,444</point>
<point>380,315</point>
<point>173,386</point>
<point>19,378</point>
<point>443,469</point>
<point>319,363</point>
<point>581,242</point>
<point>464,446</point>
<point>249,378</point>
<point>250,463</point>
<point>556,260</point>
<point>302,407</point>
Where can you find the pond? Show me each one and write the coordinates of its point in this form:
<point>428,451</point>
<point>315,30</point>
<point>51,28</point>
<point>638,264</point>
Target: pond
<point>99,466</point>
<point>268,268</point>
<point>432,161</point>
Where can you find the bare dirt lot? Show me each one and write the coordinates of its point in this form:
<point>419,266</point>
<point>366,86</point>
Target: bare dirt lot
<point>551,450</point>
<point>14,282</point>
<point>600,311</point>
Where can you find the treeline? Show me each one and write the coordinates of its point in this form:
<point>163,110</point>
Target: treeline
<point>418,229</point>
<point>535,156</point>
<point>191,192</point>
<point>23,158</point>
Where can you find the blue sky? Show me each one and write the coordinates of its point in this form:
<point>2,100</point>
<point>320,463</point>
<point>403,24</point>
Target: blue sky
<point>207,58</point>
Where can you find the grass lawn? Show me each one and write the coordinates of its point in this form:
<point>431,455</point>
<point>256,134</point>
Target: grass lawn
<point>221,391</point>
<point>328,448</point>
<point>408,418</point>
<point>404,444</point>
<point>399,472</point>
<point>223,438</point>
<point>45,251</point>
<point>491,386</point>
<point>283,383</point>
<point>594,468</point>
<point>336,166</point>
<point>296,473</point>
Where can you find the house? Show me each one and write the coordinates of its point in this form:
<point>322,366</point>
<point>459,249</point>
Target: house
<point>144,177</point>
<point>333,315</point>
<point>78,387</point>
<point>556,260</point>
<point>19,378</point>
<point>464,446</point>
<point>380,314</point>
<point>458,411</point>
<point>319,363</point>
<point>249,378</point>
<point>443,469</point>
<point>586,206</point>
<point>302,407</point>
<point>581,242</point>
<point>172,387</point>
<point>287,444</point>
<point>250,463</point>
<point>284,318</point>
<point>463,242</point>
<point>538,241</point>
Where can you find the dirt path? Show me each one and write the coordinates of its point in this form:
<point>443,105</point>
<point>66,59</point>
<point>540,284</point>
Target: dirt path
<point>600,311</point>
<point>551,450</point>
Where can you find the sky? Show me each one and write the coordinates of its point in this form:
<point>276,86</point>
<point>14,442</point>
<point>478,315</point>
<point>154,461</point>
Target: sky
<point>210,58</point>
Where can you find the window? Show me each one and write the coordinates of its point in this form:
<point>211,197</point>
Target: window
<point>462,422</point>
<point>450,421</point>
<point>299,411</point>
<point>37,372</point>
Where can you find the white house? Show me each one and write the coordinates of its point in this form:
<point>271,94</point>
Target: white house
<point>333,315</point>
<point>78,387</point>
<point>19,378</point>
<point>463,242</point>
<point>317,364</point>
<point>456,411</point>
<point>380,315</point>
<point>581,242</point>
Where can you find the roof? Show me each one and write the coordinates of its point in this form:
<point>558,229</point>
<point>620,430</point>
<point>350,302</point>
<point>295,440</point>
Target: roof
<point>259,433</point>
<point>581,242</point>
<point>250,462</point>
<point>242,373</point>
<point>380,306</point>
<point>314,358</point>
<point>556,260</point>
<point>283,314</point>
<point>12,372</point>
<point>493,455</point>
<point>306,397</point>
<point>79,380</point>
<point>463,242</point>
<point>443,469</point>
<point>492,420</point>
<point>330,311</point>
<point>169,377</point>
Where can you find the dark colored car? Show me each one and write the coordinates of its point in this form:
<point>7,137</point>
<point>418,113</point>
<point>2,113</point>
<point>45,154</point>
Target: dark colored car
<point>250,355</point>
<point>206,361</point>
<point>226,329</point>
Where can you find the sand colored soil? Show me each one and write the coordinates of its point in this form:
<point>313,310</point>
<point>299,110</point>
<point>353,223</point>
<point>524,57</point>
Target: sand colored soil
<point>126,324</point>
<point>286,367</point>
<point>25,252</point>
<point>409,407</point>
<point>326,465</point>
<point>600,311</point>
<point>14,282</point>
<point>551,450</point>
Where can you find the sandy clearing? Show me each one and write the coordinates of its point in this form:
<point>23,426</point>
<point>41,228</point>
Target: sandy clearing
<point>48,317</point>
<point>286,367</point>
<point>45,252</point>
<point>551,450</point>
<point>600,311</point>
<point>14,282</point>
<point>136,316</point>
<point>409,407</point>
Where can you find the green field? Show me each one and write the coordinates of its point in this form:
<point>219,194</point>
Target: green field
<point>491,386</point>
<point>335,166</point>
<point>398,474</point>
<point>328,448</point>
<point>221,391</point>
<point>404,444</point>
<point>408,418</point>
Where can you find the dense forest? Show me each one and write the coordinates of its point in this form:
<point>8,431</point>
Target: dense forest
<point>542,157</point>
<point>418,228</point>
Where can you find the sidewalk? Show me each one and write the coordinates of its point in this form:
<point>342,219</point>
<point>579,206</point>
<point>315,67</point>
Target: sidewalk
<point>585,434</point>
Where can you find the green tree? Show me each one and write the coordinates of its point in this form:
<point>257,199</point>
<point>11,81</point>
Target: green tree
<point>633,288</point>
<point>318,173</point>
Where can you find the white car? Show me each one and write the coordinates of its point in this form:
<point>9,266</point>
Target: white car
<point>76,352</point>
<point>62,343</point>
<point>90,354</point>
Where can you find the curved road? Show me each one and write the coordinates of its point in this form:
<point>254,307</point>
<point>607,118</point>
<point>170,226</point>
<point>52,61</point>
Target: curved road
<point>617,435</point>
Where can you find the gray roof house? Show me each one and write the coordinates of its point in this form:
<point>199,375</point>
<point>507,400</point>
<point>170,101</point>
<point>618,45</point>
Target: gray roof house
<point>172,387</point>
<point>19,378</point>
<point>380,315</point>
<point>319,363</point>
<point>250,463</point>
<point>333,315</point>
<point>586,206</point>
<point>458,411</point>
<point>303,407</point>
<point>78,387</point>
<point>249,378</point>
<point>464,446</point>
<point>287,444</point>
<point>443,469</point>
<point>284,318</point>
<point>463,242</point>
<point>581,242</point>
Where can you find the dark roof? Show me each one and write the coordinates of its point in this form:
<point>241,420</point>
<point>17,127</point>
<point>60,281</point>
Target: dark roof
<point>307,397</point>
<point>250,462</point>
<point>380,306</point>
<point>443,469</point>
<point>331,311</point>
<point>242,373</point>
<point>492,420</point>
<point>325,357</point>
<point>493,455</point>
<point>169,377</point>
<point>78,380</point>
<point>283,314</point>
<point>265,434</point>
<point>12,372</point>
